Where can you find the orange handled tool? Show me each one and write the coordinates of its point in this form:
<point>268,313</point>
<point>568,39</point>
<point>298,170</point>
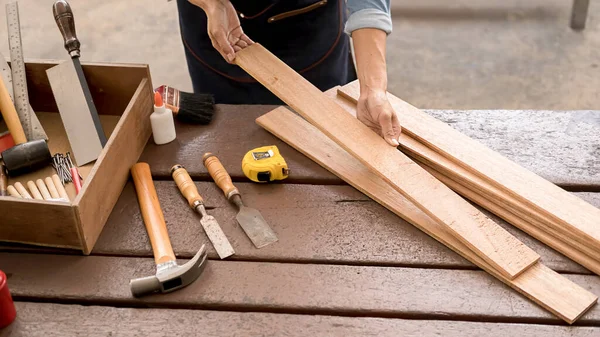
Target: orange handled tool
<point>250,219</point>
<point>209,223</point>
<point>152,213</point>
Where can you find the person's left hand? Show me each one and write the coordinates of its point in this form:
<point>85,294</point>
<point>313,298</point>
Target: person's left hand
<point>376,112</point>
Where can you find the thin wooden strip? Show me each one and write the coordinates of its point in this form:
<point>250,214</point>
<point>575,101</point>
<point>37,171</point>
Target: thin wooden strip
<point>553,292</point>
<point>465,183</point>
<point>40,319</point>
<point>553,241</point>
<point>491,242</point>
<point>544,231</point>
<point>575,214</point>
<point>294,288</point>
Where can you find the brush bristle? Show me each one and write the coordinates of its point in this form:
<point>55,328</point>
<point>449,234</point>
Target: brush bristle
<point>196,108</point>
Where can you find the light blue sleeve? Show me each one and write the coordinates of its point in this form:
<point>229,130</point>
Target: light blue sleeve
<point>369,14</point>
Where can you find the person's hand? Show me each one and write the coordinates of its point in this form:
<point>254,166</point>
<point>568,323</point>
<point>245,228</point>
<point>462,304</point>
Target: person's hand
<point>224,27</point>
<point>376,112</point>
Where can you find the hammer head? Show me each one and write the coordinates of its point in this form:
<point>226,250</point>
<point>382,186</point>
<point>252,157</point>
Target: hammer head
<point>170,276</point>
<point>27,157</point>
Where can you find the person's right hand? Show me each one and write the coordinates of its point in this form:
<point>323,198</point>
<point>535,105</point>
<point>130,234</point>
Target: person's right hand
<point>224,27</point>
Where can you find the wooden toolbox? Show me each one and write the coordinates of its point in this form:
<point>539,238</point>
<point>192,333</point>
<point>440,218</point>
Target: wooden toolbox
<point>123,97</point>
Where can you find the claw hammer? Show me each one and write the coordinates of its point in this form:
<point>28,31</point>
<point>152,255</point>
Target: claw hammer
<point>169,275</point>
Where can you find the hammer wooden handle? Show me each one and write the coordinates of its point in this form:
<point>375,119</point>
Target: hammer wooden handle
<point>186,185</point>
<point>9,113</point>
<point>152,214</point>
<point>219,175</point>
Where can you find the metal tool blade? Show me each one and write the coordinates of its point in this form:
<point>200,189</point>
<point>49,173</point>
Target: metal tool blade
<point>255,226</point>
<point>216,236</point>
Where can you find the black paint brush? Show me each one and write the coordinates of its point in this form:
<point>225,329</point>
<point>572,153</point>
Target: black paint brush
<point>190,108</point>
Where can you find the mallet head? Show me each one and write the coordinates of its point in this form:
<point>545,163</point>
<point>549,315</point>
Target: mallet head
<point>170,276</point>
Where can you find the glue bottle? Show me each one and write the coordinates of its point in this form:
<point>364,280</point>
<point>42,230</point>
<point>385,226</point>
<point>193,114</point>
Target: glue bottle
<point>163,126</point>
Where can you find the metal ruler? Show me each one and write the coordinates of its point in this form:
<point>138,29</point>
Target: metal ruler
<point>31,125</point>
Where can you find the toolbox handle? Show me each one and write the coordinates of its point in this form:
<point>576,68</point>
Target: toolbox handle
<point>220,175</point>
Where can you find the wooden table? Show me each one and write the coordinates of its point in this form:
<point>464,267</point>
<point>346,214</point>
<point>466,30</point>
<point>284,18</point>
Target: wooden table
<point>344,265</point>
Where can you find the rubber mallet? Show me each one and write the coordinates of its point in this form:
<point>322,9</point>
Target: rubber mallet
<point>25,156</point>
<point>169,275</point>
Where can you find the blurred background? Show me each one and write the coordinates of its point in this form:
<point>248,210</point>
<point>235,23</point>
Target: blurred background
<point>475,54</point>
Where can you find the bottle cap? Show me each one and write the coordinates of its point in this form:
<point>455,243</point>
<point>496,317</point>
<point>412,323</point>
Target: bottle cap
<point>7,307</point>
<point>158,101</point>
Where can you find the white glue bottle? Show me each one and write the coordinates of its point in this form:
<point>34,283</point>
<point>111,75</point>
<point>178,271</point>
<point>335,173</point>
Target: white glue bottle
<point>163,126</point>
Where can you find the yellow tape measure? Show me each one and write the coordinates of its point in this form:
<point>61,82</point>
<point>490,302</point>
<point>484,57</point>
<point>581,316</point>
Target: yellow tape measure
<point>265,164</point>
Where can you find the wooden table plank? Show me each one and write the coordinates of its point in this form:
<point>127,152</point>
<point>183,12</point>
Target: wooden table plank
<point>324,224</point>
<point>559,146</point>
<point>284,287</point>
<point>45,319</point>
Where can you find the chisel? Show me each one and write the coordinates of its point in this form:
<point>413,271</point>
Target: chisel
<point>209,223</point>
<point>250,219</point>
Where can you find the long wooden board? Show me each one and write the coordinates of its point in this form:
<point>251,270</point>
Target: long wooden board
<point>293,288</point>
<point>576,215</point>
<point>540,284</point>
<point>492,243</point>
<point>42,319</point>
<point>482,193</point>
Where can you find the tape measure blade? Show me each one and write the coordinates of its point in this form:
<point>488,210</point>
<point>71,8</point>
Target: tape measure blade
<point>31,124</point>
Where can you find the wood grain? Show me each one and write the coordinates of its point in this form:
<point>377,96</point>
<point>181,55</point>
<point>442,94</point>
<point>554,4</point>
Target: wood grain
<point>492,243</point>
<point>98,197</point>
<point>288,288</point>
<point>315,224</point>
<point>493,199</point>
<point>50,320</point>
<point>52,223</point>
<point>576,215</point>
<point>538,283</point>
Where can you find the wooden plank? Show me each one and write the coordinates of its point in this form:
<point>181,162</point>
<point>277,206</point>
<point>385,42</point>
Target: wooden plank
<point>288,288</point>
<point>480,192</point>
<point>574,214</point>
<point>40,319</point>
<point>59,222</point>
<point>230,135</point>
<point>110,97</point>
<point>538,283</point>
<point>567,248</point>
<point>111,171</point>
<point>492,243</point>
<point>296,213</point>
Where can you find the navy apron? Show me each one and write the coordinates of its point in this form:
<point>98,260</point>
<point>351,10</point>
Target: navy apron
<point>308,35</point>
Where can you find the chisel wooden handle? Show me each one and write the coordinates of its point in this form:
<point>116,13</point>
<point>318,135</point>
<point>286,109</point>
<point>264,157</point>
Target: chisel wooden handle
<point>43,189</point>
<point>186,186</point>
<point>34,190</point>
<point>9,113</point>
<point>152,214</point>
<point>63,15</point>
<point>219,175</point>
<point>3,181</point>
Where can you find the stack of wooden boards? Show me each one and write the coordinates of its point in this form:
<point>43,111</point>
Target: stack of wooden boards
<point>425,196</point>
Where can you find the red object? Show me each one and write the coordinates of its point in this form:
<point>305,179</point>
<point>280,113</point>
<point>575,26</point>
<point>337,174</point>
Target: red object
<point>158,101</point>
<point>6,141</point>
<point>75,178</point>
<point>7,307</point>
